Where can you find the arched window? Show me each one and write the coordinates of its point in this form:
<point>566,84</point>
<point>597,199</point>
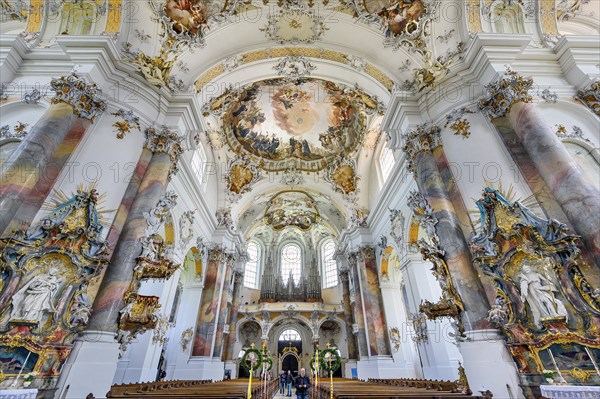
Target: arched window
<point>290,335</point>
<point>198,163</point>
<point>291,262</point>
<point>252,265</point>
<point>328,264</point>
<point>386,162</point>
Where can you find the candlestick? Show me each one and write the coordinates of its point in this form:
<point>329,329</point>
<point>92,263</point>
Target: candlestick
<point>561,379</point>
<point>14,384</point>
<point>592,359</point>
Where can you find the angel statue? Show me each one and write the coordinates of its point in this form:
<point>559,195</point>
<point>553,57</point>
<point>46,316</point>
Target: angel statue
<point>538,292</point>
<point>36,297</point>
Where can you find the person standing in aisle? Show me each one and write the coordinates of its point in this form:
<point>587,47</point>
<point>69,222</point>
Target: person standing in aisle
<point>302,385</point>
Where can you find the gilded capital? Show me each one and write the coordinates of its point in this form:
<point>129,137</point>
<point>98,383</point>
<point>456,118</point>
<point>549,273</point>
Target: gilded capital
<point>216,252</point>
<point>422,139</point>
<point>503,93</point>
<point>83,97</point>
<point>161,139</point>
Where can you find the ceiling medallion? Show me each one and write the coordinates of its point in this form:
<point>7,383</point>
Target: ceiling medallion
<point>342,176</point>
<point>310,121</point>
<point>294,24</point>
<point>403,22</point>
<point>243,174</point>
<point>186,22</point>
<point>291,208</point>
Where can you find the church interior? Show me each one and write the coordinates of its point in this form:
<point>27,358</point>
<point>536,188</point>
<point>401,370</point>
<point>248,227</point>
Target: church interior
<point>398,198</point>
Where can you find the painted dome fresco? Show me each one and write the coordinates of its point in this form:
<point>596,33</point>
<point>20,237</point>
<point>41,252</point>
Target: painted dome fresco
<point>307,120</point>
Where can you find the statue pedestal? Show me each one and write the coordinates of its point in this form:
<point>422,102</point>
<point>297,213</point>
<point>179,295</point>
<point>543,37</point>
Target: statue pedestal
<point>495,370</point>
<point>90,367</point>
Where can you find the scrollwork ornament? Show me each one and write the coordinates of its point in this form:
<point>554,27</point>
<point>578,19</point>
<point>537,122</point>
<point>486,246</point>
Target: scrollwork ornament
<point>162,139</point>
<point>424,138</point>
<point>503,93</point>
<point>129,122</point>
<point>83,97</point>
<point>590,97</point>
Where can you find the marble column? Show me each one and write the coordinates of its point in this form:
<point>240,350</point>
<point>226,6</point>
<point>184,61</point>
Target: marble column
<point>373,302</point>
<point>419,145</point>
<point>30,172</point>
<point>238,281</point>
<point>166,150</point>
<point>348,315</point>
<point>209,302</point>
<point>572,189</point>
<point>359,316</point>
<point>224,307</point>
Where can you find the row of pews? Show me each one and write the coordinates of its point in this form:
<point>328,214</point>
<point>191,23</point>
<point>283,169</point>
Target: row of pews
<point>343,389</point>
<point>392,389</point>
<point>231,389</point>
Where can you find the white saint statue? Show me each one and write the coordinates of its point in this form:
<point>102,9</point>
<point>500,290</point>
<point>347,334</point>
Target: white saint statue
<point>36,297</point>
<point>538,292</point>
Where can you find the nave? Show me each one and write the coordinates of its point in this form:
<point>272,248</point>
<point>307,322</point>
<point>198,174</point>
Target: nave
<point>342,389</point>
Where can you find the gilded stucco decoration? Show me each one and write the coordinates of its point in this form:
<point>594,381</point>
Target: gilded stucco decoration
<point>294,67</point>
<point>257,55</point>
<point>341,174</point>
<point>423,138</point>
<point>18,132</point>
<point>45,285</point>
<point>503,93</point>
<point>242,174</point>
<point>155,69</point>
<point>549,311</point>
<point>404,23</point>
<point>162,139</point>
<point>311,121</point>
<point>576,133</point>
<point>458,123</point>
<point>127,123</point>
<point>450,305</point>
<point>291,208</point>
<point>83,97</point>
<point>294,24</point>
<point>185,23</point>
<point>154,262</point>
<point>590,97</point>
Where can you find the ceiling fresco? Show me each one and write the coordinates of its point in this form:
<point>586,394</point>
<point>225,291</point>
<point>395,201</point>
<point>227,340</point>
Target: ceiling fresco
<point>309,120</point>
<point>291,208</point>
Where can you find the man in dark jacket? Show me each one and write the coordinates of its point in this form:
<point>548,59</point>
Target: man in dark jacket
<point>289,381</point>
<point>302,385</point>
<point>282,382</point>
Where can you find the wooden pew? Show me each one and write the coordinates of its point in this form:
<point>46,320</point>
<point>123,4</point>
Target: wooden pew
<point>232,389</point>
<point>390,389</point>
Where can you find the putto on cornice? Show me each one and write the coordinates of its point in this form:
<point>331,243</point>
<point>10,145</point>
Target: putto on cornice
<point>423,138</point>
<point>83,97</point>
<point>161,139</point>
<point>590,97</point>
<point>503,93</point>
